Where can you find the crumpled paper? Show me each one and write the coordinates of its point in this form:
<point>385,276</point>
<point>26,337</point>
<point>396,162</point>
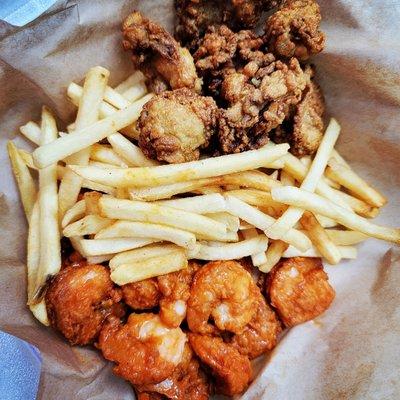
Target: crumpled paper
<point>353,350</point>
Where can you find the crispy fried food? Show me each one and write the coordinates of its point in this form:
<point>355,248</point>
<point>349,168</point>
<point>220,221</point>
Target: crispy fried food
<point>187,381</point>
<point>79,299</point>
<point>259,94</point>
<point>232,370</point>
<point>225,292</point>
<point>260,334</point>
<point>144,349</point>
<point>293,31</point>
<point>176,124</point>
<point>299,290</point>
<point>142,295</point>
<point>160,57</point>
<point>149,396</point>
<point>171,292</point>
<point>195,16</point>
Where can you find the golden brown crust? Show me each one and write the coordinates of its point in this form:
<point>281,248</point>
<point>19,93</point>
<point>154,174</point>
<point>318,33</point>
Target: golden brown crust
<point>79,299</point>
<point>176,124</point>
<point>232,370</point>
<point>299,290</point>
<point>154,51</point>
<point>142,295</point>
<point>293,31</point>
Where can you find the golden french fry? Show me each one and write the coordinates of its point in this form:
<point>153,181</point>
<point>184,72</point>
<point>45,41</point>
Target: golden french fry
<point>40,312</point>
<point>50,250</point>
<point>146,212</point>
<point>115,98</point>
<point>129,152</point>
<point>173,173</point>
<point>348,252</point>
<point>319,205</point>
<point>233,251</point>
<point>100,164</point>
<point>273,255</point>
<point>325,221</point>
<point>153,250</point>
<point>31,131</point>
<point>320,238</point>
<point>92,202</point>
<point>123,229</point>
<point>135,92</point>
<point>88,114</point>
<point>293,214</point>
<point>257,258</point>
<point>88,225</point>
<point>33,252</point>
<point>77,211</point>
<point>131,80</point>
<point>346,177</point>
<point>26,184</point>
<point>208,203</point>
<point>207,190</point>
<point>232,222</point>
<point>149,268</point>
<point>106,154</point>
<point>287,179</point>
<point>27,158</point>
<point>262,221</point>
<point>99,259</point>
<point>346,238</point>
<point>83,138</point>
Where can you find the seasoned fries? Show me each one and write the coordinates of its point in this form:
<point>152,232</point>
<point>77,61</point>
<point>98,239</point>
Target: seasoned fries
<point>89,225</point>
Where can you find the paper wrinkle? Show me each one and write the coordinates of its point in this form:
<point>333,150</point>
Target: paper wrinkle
<point>352,351</point>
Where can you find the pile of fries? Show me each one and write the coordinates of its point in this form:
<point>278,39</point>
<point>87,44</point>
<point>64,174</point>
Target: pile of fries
<point>146,219</point>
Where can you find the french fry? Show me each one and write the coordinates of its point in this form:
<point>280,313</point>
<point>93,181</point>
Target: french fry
<point>92,203</point>
<point>146,212</point>
<point>208,190</point>
<point>77,211</point>
<point>115,98</point>
<point>287,179</point>
<point>135,92</point>
<point>208,203</point>
<point>100,247</point>
<point>319,205</point>
<point>233,251</point>
<point>81,138</point>
<point>172,173</point>
<point>26,184</point>
<point>31,131</point>
<point>355,184</point>
<point>252,179</point>
<point>153,250</point>
<point>27,158</point>
<point>106,154</point>
<point>325,221</point>
<point>232,222</point>
<point>129,152</point>
<point>100,164</point>
<point>320,238</point>
<point>50,250</point>
<point>88,225</point>
<point>132,80</point>
<point>273,255</point>
<point>257,258</point>
<point>99,259</point>
<point>262,221</point>
<point>345,238</point>
<point>347,252</point>
<point>123,229</point>
<point>88,114</point>
<point>274,175</point>
<point>149,268</point>
<point>293,214</point>
<point>33,252</point>
<point>40,312</point>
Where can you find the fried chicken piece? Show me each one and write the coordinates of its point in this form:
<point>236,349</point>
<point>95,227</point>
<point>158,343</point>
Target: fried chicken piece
<point>142,295</point>
<point>149,396</point>
<point>79,299</point>
<point>154,51</point>
<point>187,381</point>
<point>176,124</point>
<point>299,289</point>
<point>293,31</point>
<point>232,370</point>
<point>195,16</point>
<point>144,349</point>
<point>260,334</point>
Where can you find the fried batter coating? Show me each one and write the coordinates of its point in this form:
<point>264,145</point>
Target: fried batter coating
<point>188,381</point>
<point>142,295</point>
<point>260,334</point>
<point>225,292</point>
<point>149,396</point>
<point>293,31</point>
<point>195,16</point>
<point>299,290</point>
<point>232,370</point>
<point>144,349</point>
<point>176,124</point>
<point>79,299</point>
<point>154,51</point>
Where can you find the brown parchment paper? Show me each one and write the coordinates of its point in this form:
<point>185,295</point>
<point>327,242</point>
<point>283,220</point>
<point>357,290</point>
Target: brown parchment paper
<point>352,351</point>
